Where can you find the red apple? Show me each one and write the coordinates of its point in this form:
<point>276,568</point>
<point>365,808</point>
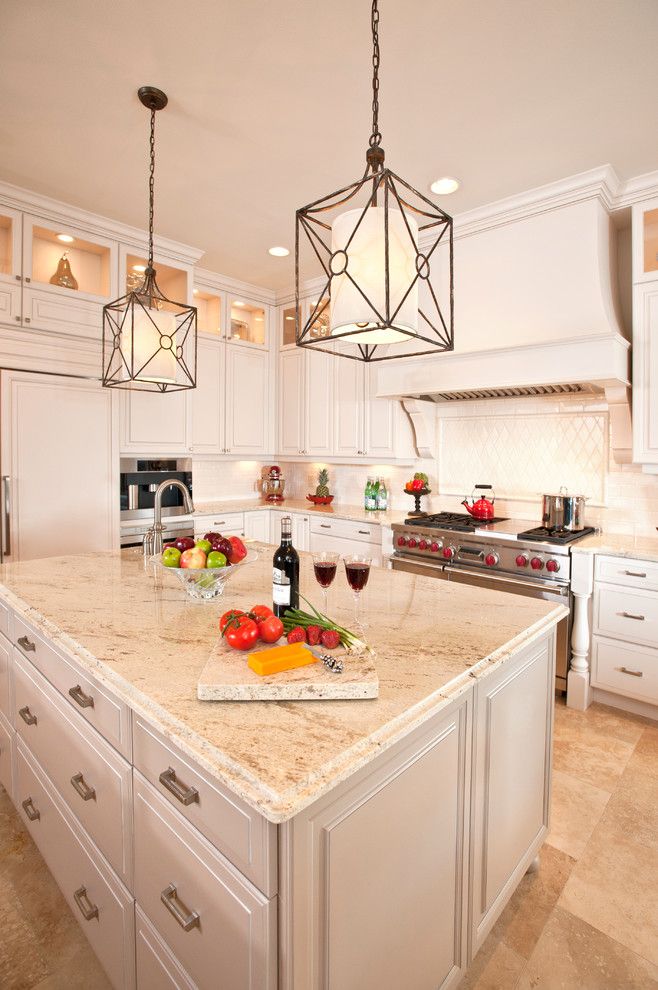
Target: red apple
<point>238,550</point>
<point>212,536</point>
<point>184,543</point>
<point>222,545</point>
<point>194,558</point>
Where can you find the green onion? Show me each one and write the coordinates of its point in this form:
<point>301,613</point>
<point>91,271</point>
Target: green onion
<point>294,617</point>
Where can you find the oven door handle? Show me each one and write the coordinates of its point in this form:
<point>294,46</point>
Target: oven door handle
<point>557,589</point>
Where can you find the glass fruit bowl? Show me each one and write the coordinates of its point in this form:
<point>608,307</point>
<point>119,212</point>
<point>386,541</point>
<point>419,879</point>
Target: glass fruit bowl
<point>205,583</point>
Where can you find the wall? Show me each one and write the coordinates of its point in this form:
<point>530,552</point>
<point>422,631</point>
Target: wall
<point>214,480</point>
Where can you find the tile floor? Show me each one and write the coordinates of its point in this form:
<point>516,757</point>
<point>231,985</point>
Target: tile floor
<point>587,920</point>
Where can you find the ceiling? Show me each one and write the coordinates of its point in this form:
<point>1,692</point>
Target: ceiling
<point>270,105</point>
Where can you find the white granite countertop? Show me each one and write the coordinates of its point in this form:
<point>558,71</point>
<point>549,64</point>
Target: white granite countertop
<point>134,628</point>
<point>619,545</point>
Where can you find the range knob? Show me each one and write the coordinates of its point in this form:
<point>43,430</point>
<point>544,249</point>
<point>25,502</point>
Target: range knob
<point>402,541</point>
<point>411,543</point>
<point>553,566</point>
<point>491,559</point>
<point>422,545</point>
<point>449,552</point>
<point>434,547</point>
<point>522,560</point>
<point>537,563</point>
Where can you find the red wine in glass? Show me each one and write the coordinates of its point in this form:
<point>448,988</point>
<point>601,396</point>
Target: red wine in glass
<point>325,572</point>
<point>357,575</point>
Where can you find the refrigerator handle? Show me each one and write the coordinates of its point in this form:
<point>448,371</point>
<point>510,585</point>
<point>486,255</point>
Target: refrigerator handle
<point>6,527</point>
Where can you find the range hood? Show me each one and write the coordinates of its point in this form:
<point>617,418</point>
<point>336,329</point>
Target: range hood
<point>537,313</point>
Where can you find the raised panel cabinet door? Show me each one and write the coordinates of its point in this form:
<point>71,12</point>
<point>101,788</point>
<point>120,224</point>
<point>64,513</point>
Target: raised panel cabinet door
<point>319,384</point>
<point>645,373</point>
<point>44,310</point>
<point>5,678</point>
<point>257,525</point>
<point>300,531</point>
<point>379,419</point>
<point>60,464</point>
<point>291,401</point>
<point>247,401</point>
<point>208,398</point>
<point>154,423</point>
<point>513,731</point>
<point>10,303</point>
<point>349,400</point>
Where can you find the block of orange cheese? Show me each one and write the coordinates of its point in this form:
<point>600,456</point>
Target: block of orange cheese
<point>280,658</point>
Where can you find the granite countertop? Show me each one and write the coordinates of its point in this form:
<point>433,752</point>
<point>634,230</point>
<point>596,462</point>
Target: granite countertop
<point>133,627</point>
<point>619,545</point>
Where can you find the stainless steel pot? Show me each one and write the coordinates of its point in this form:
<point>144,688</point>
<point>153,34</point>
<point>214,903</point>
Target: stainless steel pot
<point>563,511</point>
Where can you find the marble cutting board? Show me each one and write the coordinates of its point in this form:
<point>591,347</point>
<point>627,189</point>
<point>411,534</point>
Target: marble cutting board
<point>226,677</point>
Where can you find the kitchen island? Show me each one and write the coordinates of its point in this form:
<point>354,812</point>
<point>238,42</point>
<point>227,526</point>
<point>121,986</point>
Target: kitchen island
<point>336,844</point>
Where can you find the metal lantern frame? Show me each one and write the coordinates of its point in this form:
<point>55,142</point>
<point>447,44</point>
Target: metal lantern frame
<point>120,370</point>
<point>377,185</point>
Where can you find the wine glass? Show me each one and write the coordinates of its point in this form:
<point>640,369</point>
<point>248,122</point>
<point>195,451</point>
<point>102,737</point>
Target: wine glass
<point>324,566</point>
<point>357,570</point>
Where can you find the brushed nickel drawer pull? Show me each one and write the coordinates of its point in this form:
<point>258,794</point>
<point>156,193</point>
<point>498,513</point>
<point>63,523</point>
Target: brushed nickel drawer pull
<point>364,532</point>
<point>32,813</point>
<point>27,716</point>
<point>82,699</point>
<point>186,795</point>
<point>631,615</point>
<point>635,573</point>
<point>219,522</point>
<point>27,644</point>
<point>325,526</point>
<point>82,787</point>
<point>186,919</point>
<point>633,673</point>
<point>87,909</point>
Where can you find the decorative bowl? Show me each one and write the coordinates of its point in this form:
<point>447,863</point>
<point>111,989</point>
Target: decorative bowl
<point>417,495</point>
<point>320,499</point>
<point>205,583</point>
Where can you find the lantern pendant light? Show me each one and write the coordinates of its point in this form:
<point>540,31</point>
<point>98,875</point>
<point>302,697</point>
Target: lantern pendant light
<point>373,268</point>
<point>149,341</point>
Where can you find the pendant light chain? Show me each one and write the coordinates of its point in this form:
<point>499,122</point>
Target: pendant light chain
<point>375,137</point>
<point>151,186</point>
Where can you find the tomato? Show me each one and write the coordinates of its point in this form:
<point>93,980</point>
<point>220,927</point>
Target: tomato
<point>229,615</point>
<point>260,612</point>
<point>270,629</point>
<point>241,633</point>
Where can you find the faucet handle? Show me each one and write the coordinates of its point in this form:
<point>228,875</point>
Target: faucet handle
<point>148,542</point>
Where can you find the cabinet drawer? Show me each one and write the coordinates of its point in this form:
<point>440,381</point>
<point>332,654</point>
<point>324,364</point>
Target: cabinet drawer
<point>4,619</point>
<point>77,759</point>
<point>157,968</point>
<point>239,832</point>
<point>627,615</point>
<point>7,744</point>
<point>333,544</point>
<point>625,571</point>
<point>221,522</point>
<point>5,679</point>
<point>86,696</point>
<point>625,669</point>
<point>216,923</point>
<point>82,874</point>
<point>345,529</point>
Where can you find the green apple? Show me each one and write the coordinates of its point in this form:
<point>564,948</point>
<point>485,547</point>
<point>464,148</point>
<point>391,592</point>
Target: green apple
<point>216,559</point>
<point>204,545</point>
<point>171,557</point>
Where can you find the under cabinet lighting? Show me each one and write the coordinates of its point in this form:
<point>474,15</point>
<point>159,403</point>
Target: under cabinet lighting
<point>444,186</point>
<point>65,238</point>
<point>279,252</point>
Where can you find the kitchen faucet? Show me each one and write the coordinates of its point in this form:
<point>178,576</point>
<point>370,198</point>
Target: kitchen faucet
<point>153,537</point>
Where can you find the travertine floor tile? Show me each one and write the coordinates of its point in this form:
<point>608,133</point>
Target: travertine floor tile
<point>572,954</point>
<point>645,757</point>
<point>633,807</point>
<point>496,967</point>
<point>22,954</point>
<point>82,972</point>
<point>602,718</point>
<point>576,808</point>
<point>590,756</point>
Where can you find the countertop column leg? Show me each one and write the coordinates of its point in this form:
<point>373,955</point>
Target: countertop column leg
<point>582,582</point>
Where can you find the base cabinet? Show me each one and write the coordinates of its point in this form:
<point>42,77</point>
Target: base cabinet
<point>157,968</point>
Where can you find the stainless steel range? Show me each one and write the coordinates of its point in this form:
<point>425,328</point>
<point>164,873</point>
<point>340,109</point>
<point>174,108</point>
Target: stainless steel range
<point>503,554</point>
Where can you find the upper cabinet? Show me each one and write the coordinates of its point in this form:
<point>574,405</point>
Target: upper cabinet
<point>247,322</point>
<point>645,241</point>
<point>209,304</point>
<point>11,265</point>
<point>645,334</point>
<point>174,279</point>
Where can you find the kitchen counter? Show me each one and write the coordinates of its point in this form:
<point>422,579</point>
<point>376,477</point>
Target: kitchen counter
<point>619,545</point>
<point>355,513</point>
<point>138,633</point>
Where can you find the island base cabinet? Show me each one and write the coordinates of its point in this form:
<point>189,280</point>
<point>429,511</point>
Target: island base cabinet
<point>373,874</point>
<point>157,969</point>
<point>217,924</point>
<point>7,737</point>
<point>511,779</point>
<point>99,902</point>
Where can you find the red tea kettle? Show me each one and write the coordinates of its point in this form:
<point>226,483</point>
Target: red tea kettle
<point>481,508</point>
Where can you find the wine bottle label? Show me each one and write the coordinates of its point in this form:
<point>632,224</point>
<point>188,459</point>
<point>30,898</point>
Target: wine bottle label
<point>280,587</point>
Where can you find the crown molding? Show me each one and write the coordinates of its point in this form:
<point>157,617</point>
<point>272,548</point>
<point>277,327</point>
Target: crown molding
<point>636,190</point>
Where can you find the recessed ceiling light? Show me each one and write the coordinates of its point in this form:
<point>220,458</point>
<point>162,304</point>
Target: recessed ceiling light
<point>279,252</point>
<point>139,268</point>
<point>65,238</point>
<point>445,185</point>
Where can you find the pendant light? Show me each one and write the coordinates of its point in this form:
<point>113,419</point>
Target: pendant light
<point>369,253</point>
<point>149,341</point>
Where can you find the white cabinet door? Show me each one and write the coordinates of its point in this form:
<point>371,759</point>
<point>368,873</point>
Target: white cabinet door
<point>318,395</point>
<point>291,401</point>
<point>154,423</point>
<point>208,398</point>
<point>645,373</point>
<point>379,419</point>
<point>60,459</point>
<point>300,531</point>
<point>348,406</point>
<point>257,525</point>
<point>10,303</point>
<point>247,401</point>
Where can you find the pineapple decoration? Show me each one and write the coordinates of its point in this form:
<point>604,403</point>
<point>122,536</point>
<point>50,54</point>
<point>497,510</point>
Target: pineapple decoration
<point>322,496</point>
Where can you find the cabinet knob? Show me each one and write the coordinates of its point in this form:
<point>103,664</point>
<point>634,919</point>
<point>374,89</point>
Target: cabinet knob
<point>27,319</point>
<point>18,278</point>
<point>27,278</point>
<point>18,319</point>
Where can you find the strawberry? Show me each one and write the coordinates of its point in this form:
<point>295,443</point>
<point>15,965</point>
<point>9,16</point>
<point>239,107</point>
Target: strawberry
<point>330,638</point>
<point>313,635</point>
<point>296,635</point>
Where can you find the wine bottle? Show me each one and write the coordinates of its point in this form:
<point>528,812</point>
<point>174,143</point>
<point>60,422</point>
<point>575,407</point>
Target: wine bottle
<point>285,573</point>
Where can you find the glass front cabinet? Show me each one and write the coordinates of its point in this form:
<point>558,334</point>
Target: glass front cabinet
<point>11,265</point>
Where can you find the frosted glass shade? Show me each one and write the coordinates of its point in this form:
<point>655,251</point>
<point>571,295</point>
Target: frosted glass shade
<point>152,343</point>
<point>365,260</point>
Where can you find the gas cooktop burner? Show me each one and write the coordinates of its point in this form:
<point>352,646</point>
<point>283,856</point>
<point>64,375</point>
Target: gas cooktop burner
<point>460,522</point>
<point>560,536</point>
